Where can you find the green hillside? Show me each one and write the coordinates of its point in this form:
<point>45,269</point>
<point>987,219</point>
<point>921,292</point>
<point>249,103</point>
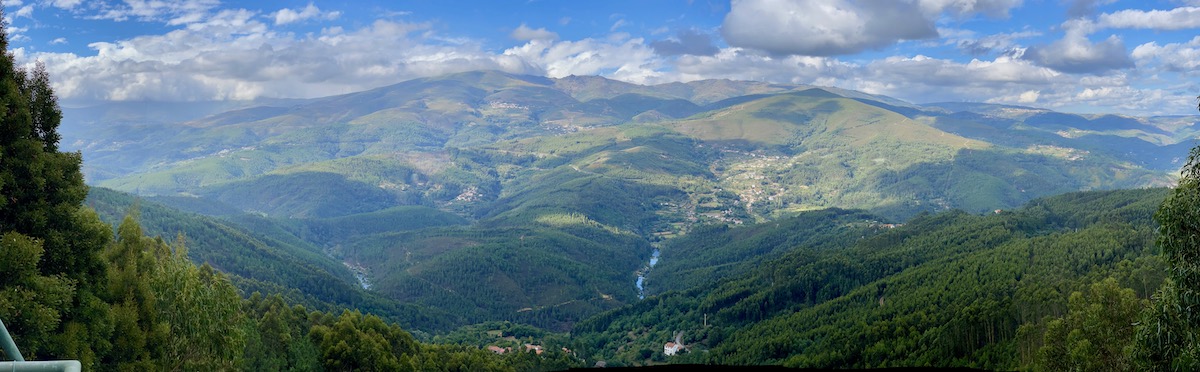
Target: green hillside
<point>548,276</point>
<point>484,196</point>
<point>949,289</point>
<point>261,255</point>
<point>459,142</point>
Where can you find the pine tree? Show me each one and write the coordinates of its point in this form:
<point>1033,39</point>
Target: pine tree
<point>41,193</point>
<point>41,189</point>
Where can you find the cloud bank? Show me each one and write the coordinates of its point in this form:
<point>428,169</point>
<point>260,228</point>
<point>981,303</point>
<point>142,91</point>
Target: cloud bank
<point>214,53</point>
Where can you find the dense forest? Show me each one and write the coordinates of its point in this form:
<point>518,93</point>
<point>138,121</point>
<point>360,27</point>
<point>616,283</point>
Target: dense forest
<point>499,250</point>
<point>950,289</point>
<point>74,289</point>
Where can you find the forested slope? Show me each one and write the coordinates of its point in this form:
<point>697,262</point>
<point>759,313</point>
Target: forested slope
<point>73,287</point>
<point>948,289</point>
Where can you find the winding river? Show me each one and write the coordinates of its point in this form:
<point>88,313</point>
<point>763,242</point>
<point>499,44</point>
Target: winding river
<point>641,274</point>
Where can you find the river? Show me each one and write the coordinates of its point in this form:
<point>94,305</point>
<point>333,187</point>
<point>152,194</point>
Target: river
<point>641,274</point>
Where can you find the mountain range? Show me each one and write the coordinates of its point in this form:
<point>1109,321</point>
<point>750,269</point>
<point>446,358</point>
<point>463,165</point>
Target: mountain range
<point>485,196</point>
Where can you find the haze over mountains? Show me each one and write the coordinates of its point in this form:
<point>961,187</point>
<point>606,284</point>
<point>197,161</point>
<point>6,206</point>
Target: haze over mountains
<point>803,147</point>
<point>485,196</point>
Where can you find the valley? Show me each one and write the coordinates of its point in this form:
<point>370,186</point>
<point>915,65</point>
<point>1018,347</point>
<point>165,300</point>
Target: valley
<point>482,197</point>
<point>232,185</point>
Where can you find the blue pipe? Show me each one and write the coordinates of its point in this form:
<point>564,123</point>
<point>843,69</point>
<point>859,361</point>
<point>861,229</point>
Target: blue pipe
<point>10,347</point>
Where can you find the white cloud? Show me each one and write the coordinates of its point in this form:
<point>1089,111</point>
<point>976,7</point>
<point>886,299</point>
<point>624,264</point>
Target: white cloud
<point>630,60</point>
<point>525,33</point>
<point>1176,57</point>
<point>1174,19</point>
<point>822,28</point>
<point>25,11</point>
<point>836,27</point>
<point>65,4</point>
<point>1075,53</point>
<point>1029,96</point>
<point>241,54</point>
<point>232,55</point>
<point>57,41</point>
<point>742,64</point>
<point>928,71</point>
<point>286,16</point>
<point>172,12</point>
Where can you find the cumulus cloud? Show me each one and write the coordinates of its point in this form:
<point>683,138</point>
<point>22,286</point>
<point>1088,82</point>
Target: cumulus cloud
<point>240,54</point>
<point>629,60</point>
<point>1175,19</point>
<point>1174,57</point>
<point>232,55</point>
<point>740,64</point>
<point>1003,79</point>
<point>1001,71</point>
<point>525,33</point>
<point>1075,53</point>
<point>1029,96</point>
<point>822,28</point>
<point>690,41</point>
<point>286,16</point>
<point>837,27</point>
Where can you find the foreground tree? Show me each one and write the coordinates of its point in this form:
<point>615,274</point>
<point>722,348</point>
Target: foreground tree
<point>1094,333</point>
<point>1167,334</point>
<point>52,293</point>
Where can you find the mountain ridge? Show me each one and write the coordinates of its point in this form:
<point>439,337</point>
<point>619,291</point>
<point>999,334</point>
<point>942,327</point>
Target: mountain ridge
<point>581,184</point>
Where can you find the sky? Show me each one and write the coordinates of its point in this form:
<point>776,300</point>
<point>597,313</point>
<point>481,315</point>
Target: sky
<point>1083,56</point>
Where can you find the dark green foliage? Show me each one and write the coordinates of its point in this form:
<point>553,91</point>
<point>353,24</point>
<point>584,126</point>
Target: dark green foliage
<point>396,219</point>
<point>40,187</point>
<point>545,277</point>
<point>358,342</point>
<point>294,339</point>
<point>1095,332</point>
<point>309,194</point>
<point>236,250</point>
<point>709,255</point>
<point>619,203</point>
<point>268,256</point>
<point>69,291</point>
<point>167,313</point>
<point>570,192</point>
<point>1167,337</point>
<point>54,246</point>
<point>31,304</point>
<point>950,289</point>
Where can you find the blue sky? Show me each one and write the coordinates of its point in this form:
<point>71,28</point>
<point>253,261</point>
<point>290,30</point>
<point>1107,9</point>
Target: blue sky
<point>1111,56</point>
